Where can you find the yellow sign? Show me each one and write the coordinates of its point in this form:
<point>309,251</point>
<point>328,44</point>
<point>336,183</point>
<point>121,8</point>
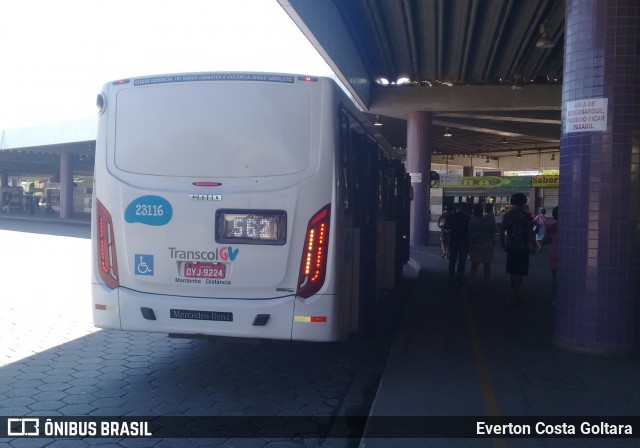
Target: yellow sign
<point>495,182</point>
<point>489,182</point>
<point>545,181</point>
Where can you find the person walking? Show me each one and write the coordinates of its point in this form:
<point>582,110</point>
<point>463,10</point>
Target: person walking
<point>482,229</point>
<point>539,225</point>
<point>488,211</point>
<point>551,239</point>
<point>518,240</point>
<point>491,217</point>
<point>444,234</point>
<point>458,225</point>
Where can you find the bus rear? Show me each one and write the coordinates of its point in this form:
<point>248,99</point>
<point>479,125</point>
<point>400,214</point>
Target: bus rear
<point>212,206</point>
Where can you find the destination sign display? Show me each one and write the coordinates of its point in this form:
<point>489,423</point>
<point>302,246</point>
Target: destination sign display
<point>287,79</point>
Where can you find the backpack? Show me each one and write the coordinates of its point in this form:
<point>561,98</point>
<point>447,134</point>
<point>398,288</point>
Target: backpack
<point>441,220</point>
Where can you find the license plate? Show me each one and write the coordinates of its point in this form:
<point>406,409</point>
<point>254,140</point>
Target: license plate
<point>205,270</point>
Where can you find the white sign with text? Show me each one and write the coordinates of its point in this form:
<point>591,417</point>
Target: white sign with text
<point>586,115</point>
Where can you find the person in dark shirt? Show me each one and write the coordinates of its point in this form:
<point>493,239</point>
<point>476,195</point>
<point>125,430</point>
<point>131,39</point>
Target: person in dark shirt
<point>482,230</point>
<point>518,240</point>
<point>458,226</point>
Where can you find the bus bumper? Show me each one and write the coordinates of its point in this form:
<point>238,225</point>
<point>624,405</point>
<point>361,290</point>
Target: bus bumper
<point>106,310</point>
<point>129,310</point>
<point>205,316</point>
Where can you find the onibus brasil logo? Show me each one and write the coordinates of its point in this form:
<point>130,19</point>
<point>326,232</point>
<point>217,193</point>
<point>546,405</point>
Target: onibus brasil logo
<point>66,427</point>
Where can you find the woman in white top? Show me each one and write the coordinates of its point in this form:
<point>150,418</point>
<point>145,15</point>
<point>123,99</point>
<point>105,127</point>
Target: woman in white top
<point>540,223</point>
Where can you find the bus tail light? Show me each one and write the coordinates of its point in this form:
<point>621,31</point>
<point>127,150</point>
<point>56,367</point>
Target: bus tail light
<point>107,259</point>
<point>313,265</point>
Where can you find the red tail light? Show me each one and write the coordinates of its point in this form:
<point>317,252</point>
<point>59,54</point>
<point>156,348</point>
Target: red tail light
<point>107,259</point>
<point>313,265</point>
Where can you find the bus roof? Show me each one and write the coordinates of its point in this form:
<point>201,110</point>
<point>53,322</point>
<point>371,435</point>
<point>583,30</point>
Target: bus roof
<point>217,76</point>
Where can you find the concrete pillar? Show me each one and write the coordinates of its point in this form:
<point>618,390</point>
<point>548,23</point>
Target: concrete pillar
<point>419,166</point>
<point>66,185</point>
<point>531,201</point>
<point>598,293</point>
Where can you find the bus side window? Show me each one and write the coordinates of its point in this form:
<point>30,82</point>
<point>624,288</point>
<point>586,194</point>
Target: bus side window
<point>344,150</point>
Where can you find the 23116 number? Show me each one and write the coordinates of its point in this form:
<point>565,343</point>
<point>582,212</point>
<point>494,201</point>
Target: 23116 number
<point>149,210</point>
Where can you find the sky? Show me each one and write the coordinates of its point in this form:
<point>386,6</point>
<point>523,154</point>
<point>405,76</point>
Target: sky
<point>55,56</point>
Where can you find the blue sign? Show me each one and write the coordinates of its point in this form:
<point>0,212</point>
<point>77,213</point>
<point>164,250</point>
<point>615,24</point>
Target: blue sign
<point>143,264</point>
<point>150,210</point>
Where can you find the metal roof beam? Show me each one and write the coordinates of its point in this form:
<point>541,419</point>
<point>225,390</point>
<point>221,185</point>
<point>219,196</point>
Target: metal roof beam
<point>325,28</point>
<point>523,119</point>
<point>502,131</point>
<point>399,101</point>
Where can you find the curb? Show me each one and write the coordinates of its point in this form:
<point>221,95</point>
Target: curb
<point>75,222</point>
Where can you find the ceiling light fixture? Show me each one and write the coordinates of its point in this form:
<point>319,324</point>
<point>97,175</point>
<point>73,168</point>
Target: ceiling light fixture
<point>544,41</point>
<point>553,156</point>
<point>377,122</point>
<point>403,80</point>
<point>519,154</point>
<point>504,140</point>
<point>447,132</point>
<point>488,160</point>
<point>382,81</point>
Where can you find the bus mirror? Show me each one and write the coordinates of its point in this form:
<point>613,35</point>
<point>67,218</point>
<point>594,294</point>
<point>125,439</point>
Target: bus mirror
<point>100,103</point>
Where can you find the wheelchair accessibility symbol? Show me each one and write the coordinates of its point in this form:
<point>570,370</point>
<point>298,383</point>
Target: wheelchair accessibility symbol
<point>144,264</point>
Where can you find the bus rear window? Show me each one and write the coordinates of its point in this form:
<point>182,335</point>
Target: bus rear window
<point>213,130</point>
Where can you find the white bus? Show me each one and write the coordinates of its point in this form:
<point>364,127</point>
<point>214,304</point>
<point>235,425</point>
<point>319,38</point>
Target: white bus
<point>242,204</point>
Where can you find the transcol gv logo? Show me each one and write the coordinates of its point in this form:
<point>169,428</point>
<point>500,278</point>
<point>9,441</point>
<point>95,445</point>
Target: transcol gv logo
<point>225,253</point>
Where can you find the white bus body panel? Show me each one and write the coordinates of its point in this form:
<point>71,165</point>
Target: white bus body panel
<point>259,278</point>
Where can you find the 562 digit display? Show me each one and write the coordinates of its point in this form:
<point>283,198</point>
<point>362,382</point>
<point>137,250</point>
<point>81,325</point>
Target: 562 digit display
<point>251,226</point>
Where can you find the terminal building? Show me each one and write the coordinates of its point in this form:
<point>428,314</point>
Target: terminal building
<point>38,163</point>
<point>476,95</point>
<point>48,169</point>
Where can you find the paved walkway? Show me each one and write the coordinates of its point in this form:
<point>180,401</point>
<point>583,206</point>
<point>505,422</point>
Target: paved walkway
<point>463,352</point>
